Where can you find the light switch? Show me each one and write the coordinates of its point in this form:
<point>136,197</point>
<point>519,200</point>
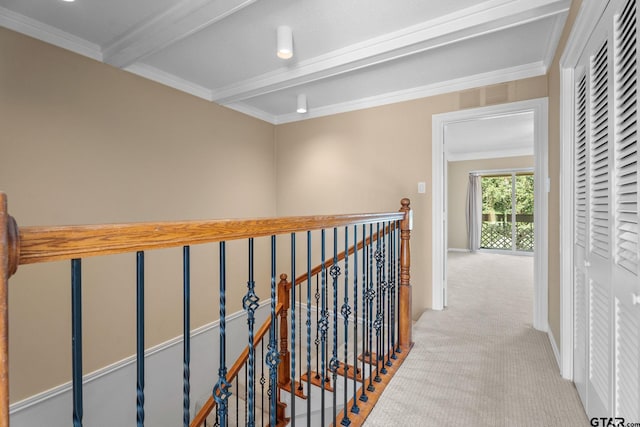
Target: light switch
<point>422,187</point>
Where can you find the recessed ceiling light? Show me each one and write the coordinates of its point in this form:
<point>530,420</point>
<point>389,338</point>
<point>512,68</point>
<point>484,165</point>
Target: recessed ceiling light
<point>68,1</point>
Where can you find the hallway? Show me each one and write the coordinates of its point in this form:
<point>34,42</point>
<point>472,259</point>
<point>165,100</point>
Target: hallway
<point>479,362</point>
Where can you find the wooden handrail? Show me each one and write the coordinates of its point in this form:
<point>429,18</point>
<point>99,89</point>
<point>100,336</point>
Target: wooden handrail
<point>40,244</point>
<point>235,369</point>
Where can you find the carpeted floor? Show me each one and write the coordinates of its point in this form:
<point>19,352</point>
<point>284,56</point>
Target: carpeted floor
<point>480,362</point>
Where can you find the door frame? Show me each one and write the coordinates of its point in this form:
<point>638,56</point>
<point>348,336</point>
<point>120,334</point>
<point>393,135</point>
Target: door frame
<point>585,23</point>
<point>539,107</point>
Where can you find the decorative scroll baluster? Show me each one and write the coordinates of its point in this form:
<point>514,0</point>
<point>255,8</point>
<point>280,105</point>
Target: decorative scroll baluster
<point>371,294</point>
<point>250,304</point>
<point>363,395</point>
<point>76,339</point>
<point>186,349</point>
<point>262,380</point>
<point>273,356</point>
<point>383,295</point>
<point>354,408</point>
<point>377,324</point>
<point>293,330</point>
<point>389,328</point>
<point>309,328</point>
<point>346,312</point>
<point>140,338</point>
<point>317,340</point>
<point>222,389</point>
<point>323,326</point>
<point>334,271</point>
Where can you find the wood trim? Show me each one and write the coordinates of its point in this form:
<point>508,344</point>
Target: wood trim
<point>4,311</point>
<point>40,244</point>
<point>206,409</point>
<point>405,322</point>
<point>366,407</point>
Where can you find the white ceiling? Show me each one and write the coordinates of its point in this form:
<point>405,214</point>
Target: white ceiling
<point>347,54</point>
<point>498,136</point>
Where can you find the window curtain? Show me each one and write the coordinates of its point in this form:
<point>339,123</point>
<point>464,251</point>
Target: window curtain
<point>474,212</point>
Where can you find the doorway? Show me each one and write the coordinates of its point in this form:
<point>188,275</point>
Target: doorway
<point>538,107</point>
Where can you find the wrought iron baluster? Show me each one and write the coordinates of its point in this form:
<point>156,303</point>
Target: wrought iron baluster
<point>363,394</point>
<point>299,388</point>
<point>334,271</point>
<point>346,312</point>
<point>222,389</point>
<point>76,339</point>
<point>397,268</point>
<point>371,294</point>
<point>250,304</point>
<point>309,328</point>
<point>323,326</point>
<point>389,325</point>
<point>237,402</point>
<point>393,292</point>
<point>186,349</point>
<point>262,380</point>
<point>378,322</point>
<point>246,382</point>
<point>273,356</point>
<point>354,408</point>
<point>140,338</point>
<point>293,329</point>
<point>317,340</point>
<point>383,295</point>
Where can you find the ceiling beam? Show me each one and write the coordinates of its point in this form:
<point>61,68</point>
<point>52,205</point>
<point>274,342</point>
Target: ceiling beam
<point>170,26</point>
<point>488,17</point>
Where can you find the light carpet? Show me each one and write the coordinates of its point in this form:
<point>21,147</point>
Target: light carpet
<point>480,362</point>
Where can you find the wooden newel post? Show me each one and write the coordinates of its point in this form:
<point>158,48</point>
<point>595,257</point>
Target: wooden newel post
<point>284,368</point>
<point>404,290</point>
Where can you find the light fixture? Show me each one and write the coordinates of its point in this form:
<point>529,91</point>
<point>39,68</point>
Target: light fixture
<point>302,103</point>
<point>285,42</point>
<point>68,1</point>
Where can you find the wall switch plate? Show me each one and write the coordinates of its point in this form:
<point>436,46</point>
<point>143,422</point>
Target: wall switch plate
<point>422,187</point>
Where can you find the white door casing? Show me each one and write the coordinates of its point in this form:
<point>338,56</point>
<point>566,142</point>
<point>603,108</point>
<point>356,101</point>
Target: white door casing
<point>539,108</point>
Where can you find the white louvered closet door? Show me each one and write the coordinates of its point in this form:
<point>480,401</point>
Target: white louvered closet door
<point>626,269</point>
<point>606,217</point>
<point>599,290</point>
<point>581,218</point>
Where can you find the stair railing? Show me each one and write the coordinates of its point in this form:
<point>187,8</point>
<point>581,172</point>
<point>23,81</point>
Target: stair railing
<point>28,245</point>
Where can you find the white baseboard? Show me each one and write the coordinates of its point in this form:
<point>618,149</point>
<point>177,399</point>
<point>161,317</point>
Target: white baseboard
<point>554,347</point>
<point>109,394</point>
<point>458,250</point>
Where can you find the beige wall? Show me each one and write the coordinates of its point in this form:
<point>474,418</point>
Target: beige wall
<point>457,180</point>
<point>368,160</point>
<point>554,173</point>
<point>82,142</point>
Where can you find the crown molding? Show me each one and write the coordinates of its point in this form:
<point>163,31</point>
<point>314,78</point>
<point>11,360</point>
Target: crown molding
<point>494,77</point>
<point>253,112</point>
<point>168,27</point>
<point>46,33</point>
<point>170,80</point>
<point>488,17</point>
<point>554,39</point>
